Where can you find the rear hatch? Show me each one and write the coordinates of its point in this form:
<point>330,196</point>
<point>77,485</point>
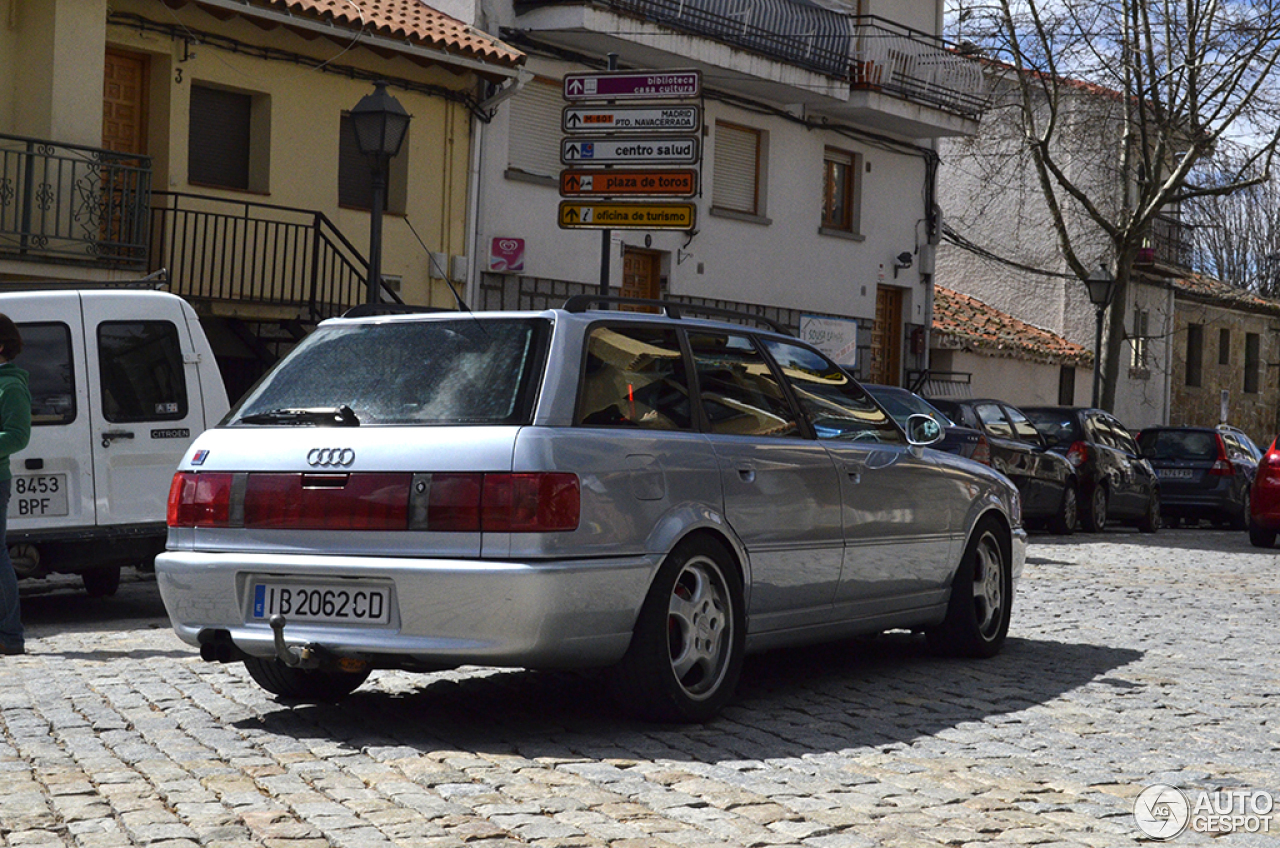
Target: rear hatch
<point>383,437</point>
<point>1186,461</point>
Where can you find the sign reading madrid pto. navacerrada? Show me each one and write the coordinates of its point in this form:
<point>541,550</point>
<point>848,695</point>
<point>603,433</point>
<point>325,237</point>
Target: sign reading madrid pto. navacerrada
<point>632,85</point>
<point>656,119</point>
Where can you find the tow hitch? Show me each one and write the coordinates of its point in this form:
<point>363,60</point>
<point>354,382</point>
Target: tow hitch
<point>306,656</point>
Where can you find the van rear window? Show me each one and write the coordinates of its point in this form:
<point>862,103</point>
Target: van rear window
<point>46,356</point>
<point>455,371</point>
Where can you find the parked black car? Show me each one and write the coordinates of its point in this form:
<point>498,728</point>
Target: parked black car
<point>1046,479</point>
<point>1205,473</point>
<point>958,439</point>
<point>1116,483</point>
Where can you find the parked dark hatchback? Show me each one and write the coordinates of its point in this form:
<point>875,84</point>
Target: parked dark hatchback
<point>1046,479</point>
<point>959,439</point>
<point>1116,483</point>
<point>1205,473</point>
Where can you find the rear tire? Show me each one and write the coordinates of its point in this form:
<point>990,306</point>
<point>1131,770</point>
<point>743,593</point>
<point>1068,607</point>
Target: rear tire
<point>1094,516</point>
<point>1068,517</point>
<point>981,604</point>
<point>689,641</point>
<point>1241,520</point>
<point>1150,521</point>
<point>299,684</point>
<point>101,582</point>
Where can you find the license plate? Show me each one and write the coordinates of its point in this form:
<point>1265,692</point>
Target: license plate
<point>322,602</point>
<point>1174,473</point>
<point>38,495</point>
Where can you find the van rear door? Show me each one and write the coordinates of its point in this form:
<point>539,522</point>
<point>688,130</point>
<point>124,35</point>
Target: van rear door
<point>53,475</point>
<point>147,401</point>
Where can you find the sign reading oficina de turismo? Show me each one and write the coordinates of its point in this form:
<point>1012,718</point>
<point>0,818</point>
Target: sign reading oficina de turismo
<point>627,216</point>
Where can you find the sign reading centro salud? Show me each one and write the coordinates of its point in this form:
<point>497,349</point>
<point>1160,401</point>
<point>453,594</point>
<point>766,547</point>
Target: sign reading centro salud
<point>576,214</point>
<point>633,150</point>
<point>633,85</point>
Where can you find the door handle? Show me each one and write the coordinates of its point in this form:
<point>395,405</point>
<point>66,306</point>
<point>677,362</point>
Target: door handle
<point>747,475</point>
<point>110,435</point>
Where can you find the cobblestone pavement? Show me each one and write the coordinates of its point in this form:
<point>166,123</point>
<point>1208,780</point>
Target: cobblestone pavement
<point>1133,660</point>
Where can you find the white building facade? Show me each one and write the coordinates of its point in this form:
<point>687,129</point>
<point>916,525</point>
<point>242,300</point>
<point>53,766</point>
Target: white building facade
<point>815,204</point>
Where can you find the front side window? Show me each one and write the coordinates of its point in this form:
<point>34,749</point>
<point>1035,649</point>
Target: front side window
<point>46,356</point>
<point>142,371</point>
<point>634,377</point>
<point>457,371</point>
<point>736,186</point>
<point>837,407</point>
<point>740,394</point>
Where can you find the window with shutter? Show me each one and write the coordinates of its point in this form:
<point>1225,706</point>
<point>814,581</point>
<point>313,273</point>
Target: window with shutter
<point>534,132</point>
<point>736,186</point>
<point>228,134</point>
<point>838,175</point>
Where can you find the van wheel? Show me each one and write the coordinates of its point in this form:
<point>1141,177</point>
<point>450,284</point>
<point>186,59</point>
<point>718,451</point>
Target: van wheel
<point>102,582</point>
<point>687,648</point>
<point>303,684</point>
<point>981,602</point>
<point>1094,516</point>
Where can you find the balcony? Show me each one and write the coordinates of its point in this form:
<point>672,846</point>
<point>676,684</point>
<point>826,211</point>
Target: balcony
<point>859,68</point>
<point>70,203</point>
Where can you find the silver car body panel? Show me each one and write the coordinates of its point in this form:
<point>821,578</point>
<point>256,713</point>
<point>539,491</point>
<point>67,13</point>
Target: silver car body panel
<point>831,537</point>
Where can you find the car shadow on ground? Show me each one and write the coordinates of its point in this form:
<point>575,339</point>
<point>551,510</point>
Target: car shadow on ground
<point>1186,539</point>
<point>862,693</point>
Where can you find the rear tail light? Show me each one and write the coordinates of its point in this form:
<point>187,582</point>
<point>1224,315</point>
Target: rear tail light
<point>443,502</point>
<point>1078,454</point>
<point>982,451</point>
<point>1222,467</point>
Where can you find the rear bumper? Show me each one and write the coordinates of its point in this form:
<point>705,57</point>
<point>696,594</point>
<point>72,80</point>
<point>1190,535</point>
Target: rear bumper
<point>1221,499</point>
<point>443,612</point>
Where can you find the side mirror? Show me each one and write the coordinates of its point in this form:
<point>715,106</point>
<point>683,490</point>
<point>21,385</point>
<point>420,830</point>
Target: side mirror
<point>923,430</point>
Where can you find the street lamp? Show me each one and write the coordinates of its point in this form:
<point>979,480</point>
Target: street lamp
<point>1101,285</point>
<point>380,123</point>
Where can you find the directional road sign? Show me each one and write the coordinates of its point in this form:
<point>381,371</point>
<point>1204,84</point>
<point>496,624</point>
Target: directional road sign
<point>656,119</point>
<point>632,85</point>
<point>673,182</point>
<point>630,150</point>
<point>626,216</point>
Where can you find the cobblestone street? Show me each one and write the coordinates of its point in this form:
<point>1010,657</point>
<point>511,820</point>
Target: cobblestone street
<point>1133,660</point>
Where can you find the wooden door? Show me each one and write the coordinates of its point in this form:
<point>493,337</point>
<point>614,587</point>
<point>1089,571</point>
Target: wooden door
<point>886,338</point>
<point>124,130</point>
<point>640,270</point>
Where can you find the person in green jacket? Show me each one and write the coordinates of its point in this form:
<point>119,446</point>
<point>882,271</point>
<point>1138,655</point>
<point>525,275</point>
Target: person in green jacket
<point>15,432</point>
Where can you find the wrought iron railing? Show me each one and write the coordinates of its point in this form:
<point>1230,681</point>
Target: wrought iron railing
<point>231,250</point>
<point>69,201</point>
<point>1170,241</point>
<point>870,52</point>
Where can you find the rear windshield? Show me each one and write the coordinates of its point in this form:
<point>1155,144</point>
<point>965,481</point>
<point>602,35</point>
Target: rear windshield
<point>464,371</point>
<point>1179,444</point>
<point>1058,428</point>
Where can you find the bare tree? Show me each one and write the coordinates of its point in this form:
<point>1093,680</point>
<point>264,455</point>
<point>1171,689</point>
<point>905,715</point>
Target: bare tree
<point>1166,83</point>
<point>1236,237</point>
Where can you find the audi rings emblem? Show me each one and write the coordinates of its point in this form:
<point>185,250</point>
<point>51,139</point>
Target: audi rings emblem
<point>330,457</point>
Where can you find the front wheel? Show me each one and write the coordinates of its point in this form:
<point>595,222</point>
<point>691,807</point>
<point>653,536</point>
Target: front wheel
<point>303,684</point>
<point>687,648</point>
<point>981,602</point>
<point>1094,517</point>
<point>1064,523</point>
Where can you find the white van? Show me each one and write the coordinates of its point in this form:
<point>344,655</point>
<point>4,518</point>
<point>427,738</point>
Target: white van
<point>122,381</point>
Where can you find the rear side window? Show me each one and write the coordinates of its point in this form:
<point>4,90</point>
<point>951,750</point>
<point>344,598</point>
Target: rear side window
<point>456,371</point>
<point>740,394</point>
<point>1022,426</point>
<point>46,356</point>
<point>635,377</point>
<point>141,367</point>
<point>1057,428</point>
<point>837,407</point>
<point>993,421</point>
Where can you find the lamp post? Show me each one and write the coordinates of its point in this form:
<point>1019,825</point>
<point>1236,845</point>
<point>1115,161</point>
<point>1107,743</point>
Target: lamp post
<point>1101,285</point>
<point>380,123</point>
